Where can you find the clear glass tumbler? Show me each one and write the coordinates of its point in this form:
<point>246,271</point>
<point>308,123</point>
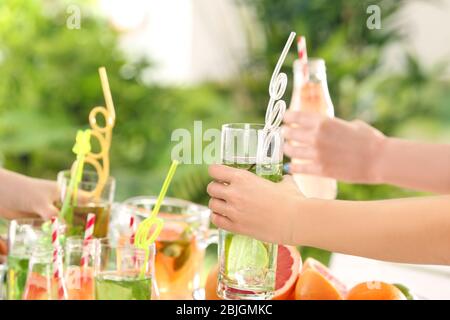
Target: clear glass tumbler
<point>247,267</point>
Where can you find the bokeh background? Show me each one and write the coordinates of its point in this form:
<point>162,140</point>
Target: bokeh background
<point>175,61</point>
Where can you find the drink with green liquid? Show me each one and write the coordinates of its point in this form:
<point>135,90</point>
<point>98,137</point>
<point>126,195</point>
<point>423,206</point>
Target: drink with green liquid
<point>23,236</point>
<point>89,197</point>
<point>17,276</point>
<point>77,226</point>
<point>114,286</point>
<point>248,266</point>
<point>124,272</point>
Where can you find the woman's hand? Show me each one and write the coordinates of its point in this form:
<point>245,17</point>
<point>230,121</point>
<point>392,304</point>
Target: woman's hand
<point>334,148</point>
<point>244,203</point>
<point>40,197</point>
<point>22,196</point>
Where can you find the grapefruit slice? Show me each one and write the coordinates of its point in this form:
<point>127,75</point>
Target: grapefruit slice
<point>316,282</point>
<point>289,264</point>
<point>37,287</point>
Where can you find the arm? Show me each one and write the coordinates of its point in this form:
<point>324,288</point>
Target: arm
<point>21,196</point>
<point>415,165</point>
<point>11,214</point>
<point>415,230</point>
<point>356,152</point>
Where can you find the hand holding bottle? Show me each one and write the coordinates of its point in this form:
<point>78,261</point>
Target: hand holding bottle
<point>335,148</point>
<point>356,152</point>
<point>311,95</point>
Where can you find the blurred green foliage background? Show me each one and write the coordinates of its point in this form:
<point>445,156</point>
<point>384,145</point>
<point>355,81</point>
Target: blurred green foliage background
<point>49,83</point>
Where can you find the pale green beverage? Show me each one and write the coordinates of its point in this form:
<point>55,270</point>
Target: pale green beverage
<point>248,266</point>
<point>121,287</point>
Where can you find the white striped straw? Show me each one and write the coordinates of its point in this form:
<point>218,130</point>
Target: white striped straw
<point>57,263</point>
<point>88,235</point>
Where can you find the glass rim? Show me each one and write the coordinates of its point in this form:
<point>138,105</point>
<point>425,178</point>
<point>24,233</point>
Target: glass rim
<point>75,240</point>
<point>43,250</point>
<point>243,126</point>
<point>23,221</point>
<point>65,174</point>
<point>31,221</point>
<point>195,212</point>
<point>128,247</point>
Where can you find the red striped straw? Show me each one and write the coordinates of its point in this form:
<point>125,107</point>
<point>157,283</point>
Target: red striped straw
<point>88,235</point>
<point>303,55</point>
<point>132,229</point>
<point>57,263</point>
<point>132,235</point>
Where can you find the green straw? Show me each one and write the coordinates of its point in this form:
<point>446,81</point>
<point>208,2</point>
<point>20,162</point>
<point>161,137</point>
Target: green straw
<point>143,239</point>
<point>81,148</point>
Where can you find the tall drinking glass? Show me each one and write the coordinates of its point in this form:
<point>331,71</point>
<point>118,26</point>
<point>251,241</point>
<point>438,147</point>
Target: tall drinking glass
<point>248,266</point>
<point>88,203</point>
<point>79,268</point>
<point>39,283</point>
<point>123,273</point>
<point>23,235</point>
<point>180,247</point>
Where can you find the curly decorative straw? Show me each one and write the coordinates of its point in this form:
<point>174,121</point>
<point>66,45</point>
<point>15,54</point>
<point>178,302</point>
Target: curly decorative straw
<point>149,229</point>
<point>100,160</point>
<point>276,106</point>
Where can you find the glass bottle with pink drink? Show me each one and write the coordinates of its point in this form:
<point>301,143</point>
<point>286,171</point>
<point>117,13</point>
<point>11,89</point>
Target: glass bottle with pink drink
<point>311,94</point>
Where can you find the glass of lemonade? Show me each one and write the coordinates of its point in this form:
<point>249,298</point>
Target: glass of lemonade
<point>87,203</point>
<point>248,266</point>
<point>80,278</point>
<point>23,235</point>
<point>40,284</point>
<point>123,272</point>
<point>180,247</point>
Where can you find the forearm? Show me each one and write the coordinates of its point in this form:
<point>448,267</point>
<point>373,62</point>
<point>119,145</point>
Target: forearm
<point>414,165</point>
<point>11,189</point>
<point>11,214</point>
<point>415,230</point>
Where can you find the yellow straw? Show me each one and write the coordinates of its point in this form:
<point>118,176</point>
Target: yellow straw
<point>143,239</point>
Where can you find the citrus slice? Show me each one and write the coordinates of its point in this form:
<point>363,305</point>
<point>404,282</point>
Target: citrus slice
<point>316,282</point>
<point>289,264</point>
<point>375,290</point>
<point>244,254</point>
<point>288,267</point>
<point>37,287</point>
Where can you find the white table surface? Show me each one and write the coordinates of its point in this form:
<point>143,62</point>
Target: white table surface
<point>431,282</point>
